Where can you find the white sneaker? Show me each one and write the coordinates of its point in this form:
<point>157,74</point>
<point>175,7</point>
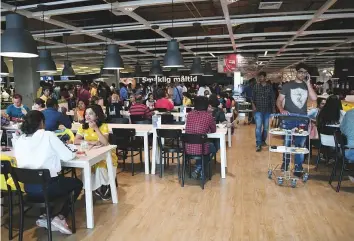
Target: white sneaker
<point>61,225</point>
<point>42,222</point>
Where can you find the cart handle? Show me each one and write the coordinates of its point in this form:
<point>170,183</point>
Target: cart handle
<point>290,115</point>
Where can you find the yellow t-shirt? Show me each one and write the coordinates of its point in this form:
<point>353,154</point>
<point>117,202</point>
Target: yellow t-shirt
<point>44,98</point>
<point>90,135</point>
<point>93,92</point>
<point>187,101</point>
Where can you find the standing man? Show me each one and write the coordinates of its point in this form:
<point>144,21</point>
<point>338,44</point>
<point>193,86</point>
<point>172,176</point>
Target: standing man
<point>263,104</point>
<point>177,95</point>
<point>123,92</point>
<point>82,94</point>
<point>295,93</point>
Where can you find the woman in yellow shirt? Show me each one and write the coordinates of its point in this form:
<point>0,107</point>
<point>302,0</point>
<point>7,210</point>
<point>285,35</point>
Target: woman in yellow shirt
<point>186,99</point>
<point>95,132</point>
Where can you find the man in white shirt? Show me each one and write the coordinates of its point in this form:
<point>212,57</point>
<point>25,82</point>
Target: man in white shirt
<point>202,89</point>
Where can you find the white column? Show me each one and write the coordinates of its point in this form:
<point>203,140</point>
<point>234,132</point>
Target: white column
<point>237,80</point>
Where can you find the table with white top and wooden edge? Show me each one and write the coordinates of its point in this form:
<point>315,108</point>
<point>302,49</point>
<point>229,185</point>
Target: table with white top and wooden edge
<point>140,130</point>
<point>219,134</point>
<point>92,157</point>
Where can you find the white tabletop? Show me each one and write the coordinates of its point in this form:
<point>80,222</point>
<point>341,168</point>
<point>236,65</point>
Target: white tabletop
<point>139,128</point>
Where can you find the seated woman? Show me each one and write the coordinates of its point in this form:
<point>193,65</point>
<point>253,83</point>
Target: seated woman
<point>114,108</point>
<point>312,113</point>
<point>79,111</point>
<point>200,121</point>
<point>39,104</point>
<point>95,132</point>
<point>40,149</point>
<point>187,99</point>
<point>216,109</point>
<point>150,102</point>
<point>162,102</point>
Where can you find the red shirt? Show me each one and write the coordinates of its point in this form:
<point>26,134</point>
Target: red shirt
<point>140,109</point>
<point>84,96</point>
<point>164,103</point>
<point>199,122</point>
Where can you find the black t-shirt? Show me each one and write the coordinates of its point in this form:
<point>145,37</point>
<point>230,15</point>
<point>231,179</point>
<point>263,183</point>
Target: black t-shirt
<point>296,95</point>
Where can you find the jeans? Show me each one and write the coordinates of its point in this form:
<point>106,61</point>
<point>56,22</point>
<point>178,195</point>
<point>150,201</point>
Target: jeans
<point>299,141</point>
<point>261,118</point>
<point>213,149</point>
<point>58,186</point>
<point>349,154</point>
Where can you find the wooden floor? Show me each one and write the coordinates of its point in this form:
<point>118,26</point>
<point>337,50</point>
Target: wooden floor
<point>244,206</point>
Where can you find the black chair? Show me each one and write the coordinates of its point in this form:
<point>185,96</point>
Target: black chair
<point>340,142</point>
<point>119,120</point>
<point>127,142</point>
<point>327,132</point>
<point>6,171</point>
<point>197,139</point>
<point>167,119</point>
<point>40,177</point>
<point>161,109</point>
<point>144,122</point>
<point>172,144</point>
<point>135,118</point>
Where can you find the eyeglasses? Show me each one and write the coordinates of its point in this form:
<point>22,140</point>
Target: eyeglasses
<point>302,72</point>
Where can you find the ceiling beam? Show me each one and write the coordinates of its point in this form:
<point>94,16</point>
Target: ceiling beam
<point>225,10</point>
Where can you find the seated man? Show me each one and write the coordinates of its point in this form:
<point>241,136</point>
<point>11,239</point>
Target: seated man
<point>140,109</point>
<point>347,128</point>
<point>200,121</point>
<point>54,118</point>
<point>17,110</point>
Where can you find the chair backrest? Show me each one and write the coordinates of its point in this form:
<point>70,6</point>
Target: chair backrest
<point>327,140</point>
<point>161,109</point>
<point>123,132</point>
<point>119,120</point>
<point>5,169</point>
<point>340,141</point>
<point>194,138</point>
<point>135,118</point>
<point>144,122</point>
<point>167,119</point>
<point>169,133</point>
<point>122,137</point>
<point>31,176</point>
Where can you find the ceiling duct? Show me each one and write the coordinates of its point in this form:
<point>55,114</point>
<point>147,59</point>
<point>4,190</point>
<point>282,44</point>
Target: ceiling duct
<point>270,5</point>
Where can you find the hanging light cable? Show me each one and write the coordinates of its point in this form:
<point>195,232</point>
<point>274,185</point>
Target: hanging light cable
<point>173,57</point>
<point>138,73</point>
<point>46,63</point>
<point>196,68</point>
<point>113,60</point>
<point>156,69</point>
<point>208,70</point>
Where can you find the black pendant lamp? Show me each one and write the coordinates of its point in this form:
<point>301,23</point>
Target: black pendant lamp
<point>196,68</point>
<point>113,60</point>
<point>156,69</point>
<point>68,70</point>
<point>138,73</point>
<point>105,72</point>
<point>17,41</point>
<point>173,57</point>
<point>208,70</point>
<point>174,73</point>
<point>4,68</point>
<point>46,63</point>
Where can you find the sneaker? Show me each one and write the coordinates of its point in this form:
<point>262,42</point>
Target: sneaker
<point>42,222</point>
<point>298,172</point>
<point>258,148</point>
<point>102,195</point>
<point>284,167</point>
<point>61,225</point>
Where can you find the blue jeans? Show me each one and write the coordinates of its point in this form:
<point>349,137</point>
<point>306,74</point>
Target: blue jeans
<point>261,118</point>
<point>349,154</point>
<point>299,141</point>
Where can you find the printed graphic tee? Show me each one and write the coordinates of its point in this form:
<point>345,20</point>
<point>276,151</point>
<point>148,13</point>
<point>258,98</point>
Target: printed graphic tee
<point>296,95</point>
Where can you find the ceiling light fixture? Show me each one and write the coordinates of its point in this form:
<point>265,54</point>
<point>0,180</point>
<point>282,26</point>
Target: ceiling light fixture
<point>68,70</point>
<point>196,68</point>
<point>105,72</point>
<point>174,73</point>
<point>113,60</point>
<point>212,55</point>
<point>46,63</point>
<point>173,57</point>
<point>4,68</point>
<point>208,70</point>
<point>265,53</point>
<point>138,73</point>
<point>17,41</point>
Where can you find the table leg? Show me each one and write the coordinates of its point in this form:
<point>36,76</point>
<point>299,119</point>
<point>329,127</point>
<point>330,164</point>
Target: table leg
<point>229,136</point>
<point>223,156</point>
<point>88,197</point>
<point>146,152</point>
<point>111,176</point>
<point>154,150</point>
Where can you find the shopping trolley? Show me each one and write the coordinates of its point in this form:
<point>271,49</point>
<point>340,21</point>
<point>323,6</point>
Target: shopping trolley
<point>290,127</point>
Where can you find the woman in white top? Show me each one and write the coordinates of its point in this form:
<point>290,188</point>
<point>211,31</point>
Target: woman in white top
<point>40,149</point>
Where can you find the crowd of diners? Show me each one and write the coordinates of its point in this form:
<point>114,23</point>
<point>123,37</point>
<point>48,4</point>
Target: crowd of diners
<point>94,105</point>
